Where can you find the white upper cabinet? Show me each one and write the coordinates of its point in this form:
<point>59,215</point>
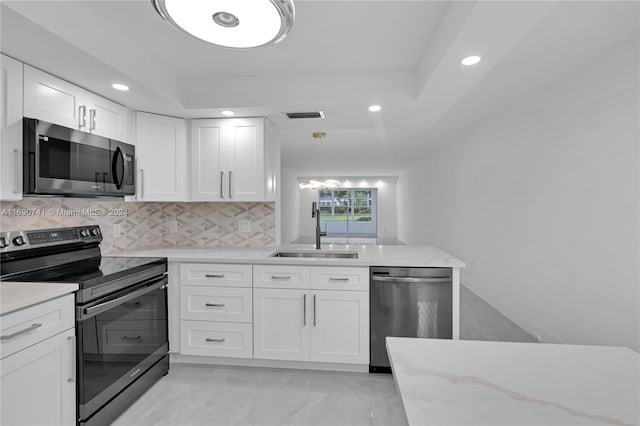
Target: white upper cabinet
<point>11,129</point>
<point>207,168</point>
<point>51,99</point>
<point>54,100</point>
<point>107,118</point>
<point>232,160</point>
<point>161,155</point>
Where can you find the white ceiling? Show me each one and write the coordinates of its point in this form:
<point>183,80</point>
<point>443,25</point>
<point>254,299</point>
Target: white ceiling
<point>340,57</point>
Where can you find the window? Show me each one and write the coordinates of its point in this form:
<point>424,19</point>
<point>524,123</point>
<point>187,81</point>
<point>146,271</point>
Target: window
<point>348,211</point>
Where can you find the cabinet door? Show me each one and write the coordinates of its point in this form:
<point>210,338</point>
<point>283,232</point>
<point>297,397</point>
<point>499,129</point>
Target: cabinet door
<point>161,151</point>
<point>107,118</point>
<point>244,157</point>
<point>208,181</point>
<point>271,163</point>
<point>54,100</point>
<point>340,326</point>
<point>281,324</point>
<point>11,129</point>
<point>38,383</point>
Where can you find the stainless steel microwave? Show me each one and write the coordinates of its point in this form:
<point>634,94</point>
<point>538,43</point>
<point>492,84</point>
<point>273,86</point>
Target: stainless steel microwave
<point>67,162</point>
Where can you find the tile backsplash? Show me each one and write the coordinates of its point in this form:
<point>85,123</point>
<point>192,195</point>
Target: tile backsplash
<point>144,225</point>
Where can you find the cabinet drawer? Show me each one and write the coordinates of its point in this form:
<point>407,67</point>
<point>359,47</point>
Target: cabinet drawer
<point>281,276</point>
<point>338,278</point>
<point>31,325</point>
<point>216,304</point>
<point>226,339</point>
<point>215,274</point>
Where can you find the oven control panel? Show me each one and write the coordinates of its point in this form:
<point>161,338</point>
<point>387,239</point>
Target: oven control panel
<point>22,240</point>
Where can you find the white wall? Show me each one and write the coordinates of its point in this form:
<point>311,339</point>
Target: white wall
<point>290,200</point>
<point>542,202</point>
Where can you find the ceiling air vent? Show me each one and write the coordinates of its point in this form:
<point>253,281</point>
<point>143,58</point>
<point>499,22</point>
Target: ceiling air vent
<point>300,115</point>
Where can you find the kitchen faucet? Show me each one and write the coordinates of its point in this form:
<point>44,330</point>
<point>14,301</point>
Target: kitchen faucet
<point>315,212</point>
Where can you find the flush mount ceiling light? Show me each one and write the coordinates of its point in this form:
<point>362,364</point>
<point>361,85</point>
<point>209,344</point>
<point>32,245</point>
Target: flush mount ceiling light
<point>375,108</point>
<point>471,60</point>
<point>227,112</point>
<point>230,23</point>
<point>120,86</point>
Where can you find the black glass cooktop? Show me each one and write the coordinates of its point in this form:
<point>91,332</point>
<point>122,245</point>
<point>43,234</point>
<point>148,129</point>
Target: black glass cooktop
<point>91,272</point>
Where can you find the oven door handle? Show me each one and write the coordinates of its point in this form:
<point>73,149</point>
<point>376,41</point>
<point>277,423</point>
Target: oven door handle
<point>102,307</point>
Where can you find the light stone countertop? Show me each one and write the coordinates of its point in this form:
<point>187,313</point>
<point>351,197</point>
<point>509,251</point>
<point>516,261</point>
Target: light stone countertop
<point>15,296</point>
<point>368,255</point>
<point>449,382</point>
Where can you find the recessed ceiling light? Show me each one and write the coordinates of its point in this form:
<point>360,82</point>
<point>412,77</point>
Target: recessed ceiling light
<point>230,23</point>
<point>375,108</point>
<point>471,60</point>
<point>227,112</point>
<point>120,86</point>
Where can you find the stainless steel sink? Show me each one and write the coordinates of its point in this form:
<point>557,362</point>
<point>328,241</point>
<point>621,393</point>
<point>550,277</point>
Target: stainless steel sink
<point>317,254</point>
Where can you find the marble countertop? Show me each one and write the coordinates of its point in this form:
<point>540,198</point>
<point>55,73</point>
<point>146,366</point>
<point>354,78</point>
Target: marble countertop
<point>449,382</point>
<point>16,296</point>
<point>368,255</point>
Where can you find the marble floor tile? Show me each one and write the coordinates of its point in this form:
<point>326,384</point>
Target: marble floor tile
<point>336,409</point>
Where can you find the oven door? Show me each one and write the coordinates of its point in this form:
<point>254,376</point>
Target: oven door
<point>119,338</point>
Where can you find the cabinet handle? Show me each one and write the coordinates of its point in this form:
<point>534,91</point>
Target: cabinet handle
<point>304,310</point>
<point>16,189</point>
<point>92,119</point>
<point>131,337</point>
<point>17,333</point>
<point>314,310</point>
<point>221,184</point>
<point>141,184</point>
<point>280,277</point>
<point>230,172</point>
<point>214,276</point>
<point>72,343</point>
<point>208,339</point>
<point>338,279</point>
<point>82,116</point>
<point>215,305</point>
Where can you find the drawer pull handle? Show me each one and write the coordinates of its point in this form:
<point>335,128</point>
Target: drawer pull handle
<point>338,279</point>
<point>215,305</point>
<point>17,333</point>
<point>131,337</point>
<point>214,276</point>
<point>280,277</point>
<point>209,339</point>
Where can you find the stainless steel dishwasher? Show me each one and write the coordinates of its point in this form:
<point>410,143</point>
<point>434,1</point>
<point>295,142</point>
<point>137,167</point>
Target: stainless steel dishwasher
<point>408,302</point>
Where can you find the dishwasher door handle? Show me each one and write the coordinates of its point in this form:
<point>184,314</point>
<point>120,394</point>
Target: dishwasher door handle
<point>444,280</point>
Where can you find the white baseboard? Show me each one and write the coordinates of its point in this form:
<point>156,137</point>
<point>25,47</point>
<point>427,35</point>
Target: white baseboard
<point>538,332</point>
<point>268,363</point>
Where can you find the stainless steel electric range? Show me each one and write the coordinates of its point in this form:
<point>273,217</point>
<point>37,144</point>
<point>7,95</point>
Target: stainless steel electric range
<point>121,312</point>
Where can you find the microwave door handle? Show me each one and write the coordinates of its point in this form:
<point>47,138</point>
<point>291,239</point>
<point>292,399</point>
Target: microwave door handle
<point>118,175</point>
<point>110,304</point>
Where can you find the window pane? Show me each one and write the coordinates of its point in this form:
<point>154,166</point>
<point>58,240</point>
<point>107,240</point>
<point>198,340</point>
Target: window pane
<point>362,206</point>
<point>326,202</point>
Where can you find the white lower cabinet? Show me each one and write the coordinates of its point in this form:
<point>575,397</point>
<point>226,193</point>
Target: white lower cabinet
<point>275,312</point>
<point>216,310</point>
<point>281,329</point>
<point>315,324</point>
<point>226,339</point>
<point>38,384</point>
<point>340,327</point>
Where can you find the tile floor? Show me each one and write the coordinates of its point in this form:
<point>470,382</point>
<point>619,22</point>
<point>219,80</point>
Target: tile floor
<point>216,395</point>
<point>213,395</point>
